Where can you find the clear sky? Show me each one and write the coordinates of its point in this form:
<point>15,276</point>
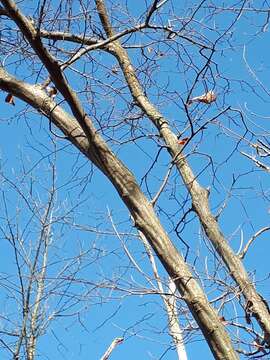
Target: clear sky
<point>93,292</point>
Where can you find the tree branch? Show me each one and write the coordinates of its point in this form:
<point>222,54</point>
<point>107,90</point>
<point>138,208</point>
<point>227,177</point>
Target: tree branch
<point>250,241</point>
<point>110,349</point>
<point>140,209</point>
<point>199,195</point>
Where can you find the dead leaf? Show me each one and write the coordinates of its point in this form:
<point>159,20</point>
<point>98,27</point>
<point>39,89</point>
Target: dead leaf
<point>183,141</point>
<point>206,98</point>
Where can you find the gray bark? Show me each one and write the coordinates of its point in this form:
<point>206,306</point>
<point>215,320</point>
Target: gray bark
<point>96,150</point>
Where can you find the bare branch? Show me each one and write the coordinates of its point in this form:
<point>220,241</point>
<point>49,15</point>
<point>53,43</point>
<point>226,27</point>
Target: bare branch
<point>140,208</point>
<point>110,349</point>
<point>250,241</point>
<point>257,162</point>
<point>170,304</point>
<point>199,195</point>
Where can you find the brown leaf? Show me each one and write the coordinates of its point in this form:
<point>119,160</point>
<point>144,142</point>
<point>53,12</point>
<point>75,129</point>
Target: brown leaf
<point>206,98</point>
<point>9,99</point>
<point>183,141</point>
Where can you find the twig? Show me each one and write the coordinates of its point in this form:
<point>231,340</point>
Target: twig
<point>164,182</point>
<point>110,349</point>
<point>250,241</point>
<point>257,162</point>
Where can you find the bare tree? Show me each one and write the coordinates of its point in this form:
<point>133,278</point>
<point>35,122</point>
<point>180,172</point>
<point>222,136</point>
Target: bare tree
<point>105,76</point>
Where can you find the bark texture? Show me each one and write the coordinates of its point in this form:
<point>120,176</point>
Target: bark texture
<point>140,208</point>
<point>79,129</point>
<point>199,195</point>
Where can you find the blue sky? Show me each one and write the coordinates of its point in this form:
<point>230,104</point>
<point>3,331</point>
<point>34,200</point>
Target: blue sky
<point>89,317</point>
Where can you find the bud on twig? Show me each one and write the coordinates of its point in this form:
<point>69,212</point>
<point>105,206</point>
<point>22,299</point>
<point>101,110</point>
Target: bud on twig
<point>9,99</point>
<point>51,91</point>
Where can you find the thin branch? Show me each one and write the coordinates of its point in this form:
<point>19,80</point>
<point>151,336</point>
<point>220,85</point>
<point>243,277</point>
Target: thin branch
<point>170,304</point>
<point>250,241</point>
<point>164,182</point>
<point>110,349</point>
<point>100,45</point>
<point>258,163</point>
<point>251,71</point>
<point>151,10</point>
<point>199,195</point>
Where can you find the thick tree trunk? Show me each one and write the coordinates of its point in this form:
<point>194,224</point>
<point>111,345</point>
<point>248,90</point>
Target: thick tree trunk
<point>199,195</point>
<point>140,208</point>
